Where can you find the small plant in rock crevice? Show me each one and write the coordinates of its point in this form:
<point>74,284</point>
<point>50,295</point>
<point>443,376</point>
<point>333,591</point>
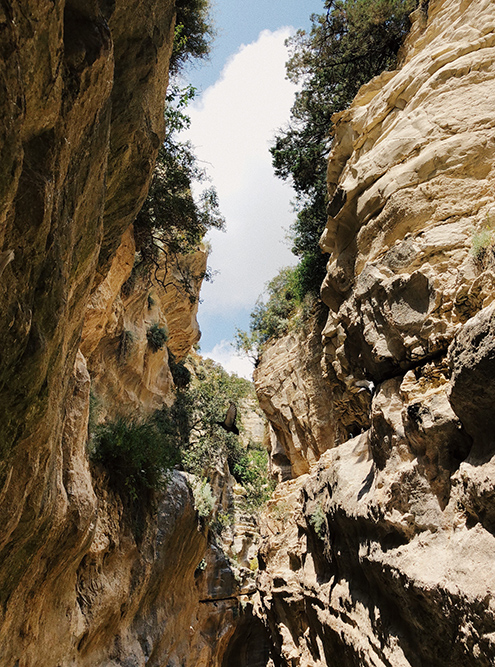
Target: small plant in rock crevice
<point>483,242</point>
<point>204,502</point>
<point>126,343</point>
<point>157,337</point>
<point>317,520</point>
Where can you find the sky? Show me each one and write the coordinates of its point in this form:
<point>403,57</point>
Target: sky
<point>243,99</point>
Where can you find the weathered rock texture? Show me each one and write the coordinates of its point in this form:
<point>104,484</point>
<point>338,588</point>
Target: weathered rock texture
<point>83,580</point>
<point>128,375</point>
<point>381,553</point>
<point>297,401</point>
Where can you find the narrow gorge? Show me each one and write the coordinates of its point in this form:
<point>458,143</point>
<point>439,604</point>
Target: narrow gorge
<point>376,547</point>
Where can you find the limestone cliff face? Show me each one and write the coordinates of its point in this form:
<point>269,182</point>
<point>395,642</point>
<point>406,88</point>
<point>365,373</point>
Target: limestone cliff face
<point>128,375</point>
<point>81,119</point>
<point>381,553</point>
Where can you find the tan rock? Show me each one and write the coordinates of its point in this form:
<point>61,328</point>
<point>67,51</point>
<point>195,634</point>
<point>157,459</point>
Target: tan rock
<point>297,402</point>
<point>380,553</point>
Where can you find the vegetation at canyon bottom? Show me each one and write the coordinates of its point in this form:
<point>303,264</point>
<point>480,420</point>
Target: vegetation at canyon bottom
<point>137,454</point>
<point>349,44</point>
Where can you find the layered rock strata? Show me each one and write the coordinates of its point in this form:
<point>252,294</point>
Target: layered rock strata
<point>83,580</point>
<point>380,553</point>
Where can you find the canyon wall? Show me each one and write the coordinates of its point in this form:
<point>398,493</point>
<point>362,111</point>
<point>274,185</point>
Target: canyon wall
<point>84,579</point>
<point>378,547</point>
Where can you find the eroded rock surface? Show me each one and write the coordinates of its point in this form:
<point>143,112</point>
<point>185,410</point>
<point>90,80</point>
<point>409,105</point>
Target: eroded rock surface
<point>82,581</point>
<point>380,552</point>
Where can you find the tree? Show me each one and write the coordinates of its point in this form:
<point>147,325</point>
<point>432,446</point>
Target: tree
<point>353,41</point>
<point>194,33</point>
<point>208,397</point>
<point>172,221</point>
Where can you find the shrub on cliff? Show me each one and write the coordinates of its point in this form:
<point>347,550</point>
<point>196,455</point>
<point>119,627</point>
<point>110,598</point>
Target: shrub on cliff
<point>135,454</point>
<point>287,295</point>
<point>353,41</point>
<point>157,337</point>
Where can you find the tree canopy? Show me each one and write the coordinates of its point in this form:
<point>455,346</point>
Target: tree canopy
<point>194,33</point>
<point>173,220</point>
<point>350,43</point>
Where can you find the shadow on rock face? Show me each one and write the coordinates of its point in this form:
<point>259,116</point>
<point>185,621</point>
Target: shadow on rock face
<point>472,360</point>
<point>250,645</point>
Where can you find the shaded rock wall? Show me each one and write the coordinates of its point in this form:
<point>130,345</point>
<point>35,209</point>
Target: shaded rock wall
<point>297,400</point>
<point>380,554</point>
<point>128,375</point>
<point>83,581</point>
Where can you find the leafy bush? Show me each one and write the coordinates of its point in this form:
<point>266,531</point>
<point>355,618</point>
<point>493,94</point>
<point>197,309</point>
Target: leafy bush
<point>204,502</point>
<point>251,470</point>
<point>157,337</point>
<point>207,446</point>
<point>482,242</point>
<point>287,294</point>
<point>207,399</point>
<point>136,455</point>
<point>180,373</point>
<point>317,520</point>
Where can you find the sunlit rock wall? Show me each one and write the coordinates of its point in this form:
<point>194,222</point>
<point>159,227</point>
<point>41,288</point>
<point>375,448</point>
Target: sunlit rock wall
<point>381,554</point>
<point>128,375</point>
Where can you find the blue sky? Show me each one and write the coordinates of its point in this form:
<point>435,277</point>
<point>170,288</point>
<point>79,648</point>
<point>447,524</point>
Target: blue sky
<point>239,22</point>
<point>244,98</point>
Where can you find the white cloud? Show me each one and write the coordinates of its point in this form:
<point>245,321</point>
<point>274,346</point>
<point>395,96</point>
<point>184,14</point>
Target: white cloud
<point>232,126</point>
<point>225,355</point>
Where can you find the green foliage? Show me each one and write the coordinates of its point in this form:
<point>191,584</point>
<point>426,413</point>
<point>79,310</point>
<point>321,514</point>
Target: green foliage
<point>180,373</point>
<point>193,33</point>
<point>207,446</point>
<point>254,564</point>
<point>157,337</point>
<point>482,242</point>
<point>251,470</point>
<point>126,344</point>
<point>136,454</point>
<point>208,398</point>
<point>317,520</point>
<point>353,41</point>
<point>204,502</point>
<point>172,222</point>
<point>287,294</point>
<point>271,318</point>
